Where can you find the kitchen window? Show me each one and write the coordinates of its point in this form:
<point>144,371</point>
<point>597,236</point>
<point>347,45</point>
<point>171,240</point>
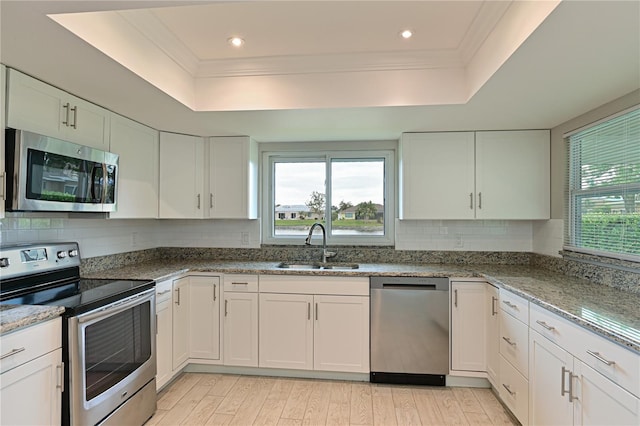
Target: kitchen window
<point>349,192</point>
<point>604,187</point>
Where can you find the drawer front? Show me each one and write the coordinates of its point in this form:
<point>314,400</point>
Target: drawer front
<point>29,343</point>
<point>514,305</point>
<point>241,283</point>
<point>297,284</point>
<point>163,291</point>
<point>514,343</point>
<point>514,391</point>
<point>618,364</point>
<point>559,330</point>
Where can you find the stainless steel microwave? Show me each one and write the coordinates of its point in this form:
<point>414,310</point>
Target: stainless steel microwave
<point>48,174</point>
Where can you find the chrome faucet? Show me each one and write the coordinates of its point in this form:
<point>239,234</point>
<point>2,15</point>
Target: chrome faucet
<point>325,253</point>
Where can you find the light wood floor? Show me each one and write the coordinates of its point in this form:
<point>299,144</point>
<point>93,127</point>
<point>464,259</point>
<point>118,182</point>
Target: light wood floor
<point>221,399</point>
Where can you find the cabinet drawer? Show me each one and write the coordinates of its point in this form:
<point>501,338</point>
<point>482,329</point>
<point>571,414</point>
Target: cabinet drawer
<point>163,291</point>
<point>618,364</point>
<point>29,343</point>
<point>241,283</point>
<point>514,305</point>
<point>514,343</point>
<point>514,391</point>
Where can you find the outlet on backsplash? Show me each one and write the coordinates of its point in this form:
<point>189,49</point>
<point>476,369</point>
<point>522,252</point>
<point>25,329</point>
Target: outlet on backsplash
<point>458,242</point>
<point>244,238</point>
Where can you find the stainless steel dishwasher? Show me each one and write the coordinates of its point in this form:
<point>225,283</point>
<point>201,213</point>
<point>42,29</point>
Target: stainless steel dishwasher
<point>409,330</point>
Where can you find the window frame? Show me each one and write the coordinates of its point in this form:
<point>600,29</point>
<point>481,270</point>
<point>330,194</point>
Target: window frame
<point>573,233</point>
<point>300,152</point>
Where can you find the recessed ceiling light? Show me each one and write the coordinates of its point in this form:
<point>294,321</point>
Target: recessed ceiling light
<point>406,34</point>
<point>236,41</point>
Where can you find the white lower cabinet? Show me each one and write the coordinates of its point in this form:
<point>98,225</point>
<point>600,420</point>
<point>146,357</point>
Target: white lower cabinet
<point>241,329</point>
<point>314,323</point>
<point>468,326</point>
<point>31,378</point>
<point>180,322</point>
<point>164,333</point>
<point>286,331</point>
<point>204,317</point>
<point>564,389</point>
<point>341,333</point>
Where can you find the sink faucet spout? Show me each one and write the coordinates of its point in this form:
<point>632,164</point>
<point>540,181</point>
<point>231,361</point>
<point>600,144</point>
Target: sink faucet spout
<point>325,253</point>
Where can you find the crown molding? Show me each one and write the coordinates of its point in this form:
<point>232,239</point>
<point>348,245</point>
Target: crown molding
<point>490,13</point>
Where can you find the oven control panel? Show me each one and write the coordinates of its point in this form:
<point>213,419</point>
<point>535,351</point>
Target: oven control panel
<point>29,258</point>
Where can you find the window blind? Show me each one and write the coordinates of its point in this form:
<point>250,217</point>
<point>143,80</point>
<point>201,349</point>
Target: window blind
<point>604,187</point>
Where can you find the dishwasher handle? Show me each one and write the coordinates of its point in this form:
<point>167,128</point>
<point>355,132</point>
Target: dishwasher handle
<point>409,287</point>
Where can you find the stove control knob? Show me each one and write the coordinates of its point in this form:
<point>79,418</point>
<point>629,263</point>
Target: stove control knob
<point>4,262</point>
<point>73,253</point>
<point>62,254</point>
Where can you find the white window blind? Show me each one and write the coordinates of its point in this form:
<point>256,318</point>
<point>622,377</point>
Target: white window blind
<point>604,187</point>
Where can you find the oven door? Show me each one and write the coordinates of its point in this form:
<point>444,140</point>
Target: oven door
<point>111,356</point>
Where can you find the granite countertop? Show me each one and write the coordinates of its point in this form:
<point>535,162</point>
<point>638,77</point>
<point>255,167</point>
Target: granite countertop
<point>13,317</point>
<point>607,311</point>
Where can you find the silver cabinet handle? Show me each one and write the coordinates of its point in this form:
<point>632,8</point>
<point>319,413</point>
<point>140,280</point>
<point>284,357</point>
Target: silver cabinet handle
<point>235,283</point>
<point>66,114</point>
<point>211,200</point>
<point>156,324</point>
<point>494,310</point>
<point>226,303</point>
<point>455,298</point>
<point>562,373</point>
<point>12,352</point>
<point>471,200</point>
<point>316,312</point>
<point>571,396</point>
<point>177,302</point>
<point>198,201</point>
<point>512,393</point>
<point>545,325</point>
<point>600,358</point>
<point>164,292</point>
<point>479,200</point>
<point>214,292</point>
<point>509,304</point>
<point>61,385</point>
<point>309,311</point>
<point>508,340</point>
<point>75,117</point>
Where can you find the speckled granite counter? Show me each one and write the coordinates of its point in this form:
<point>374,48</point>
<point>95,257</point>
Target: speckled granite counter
<point>13,317</point>
<point>610,312</point>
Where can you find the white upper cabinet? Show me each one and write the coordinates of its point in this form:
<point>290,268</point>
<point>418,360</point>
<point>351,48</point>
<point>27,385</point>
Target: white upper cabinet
<point>513,174</point>
<point>37,107</point>
<point>437,175</point>
<point>475,175</point>
<point>181,176</point>
<point>138,148</point>
<point>233,178</point>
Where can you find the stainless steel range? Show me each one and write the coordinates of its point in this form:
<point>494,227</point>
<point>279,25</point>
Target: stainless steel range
<point>108,342</point>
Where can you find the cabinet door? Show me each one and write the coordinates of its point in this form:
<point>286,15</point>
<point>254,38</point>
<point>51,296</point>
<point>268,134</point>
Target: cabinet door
<point>493,330</point>
<point>468,328</point>
<point>204,317</point>
<point>31,393</point>
<point>233,171</point>
<point>241,329</point>
<point>88,123</point>
<point>548,381</point>
<point>181,176</point>
<point>180,322</point>
<point>286,331</point>
<point>138,148</point>
<point>600,401</point>
<point>513,175</point>
<point>437,175</point>
<point>164,342</point>
<point>341,333</point>
<point>3,183</point>
<point>34,106</point>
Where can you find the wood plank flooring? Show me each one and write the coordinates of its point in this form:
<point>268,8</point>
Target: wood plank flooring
<point>224,399</point>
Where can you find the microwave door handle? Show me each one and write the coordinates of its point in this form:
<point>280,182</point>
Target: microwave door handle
<point>105,183</point>
<point>95,185</point>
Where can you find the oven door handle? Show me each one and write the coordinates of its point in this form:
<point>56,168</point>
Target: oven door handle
<point>118,306</point>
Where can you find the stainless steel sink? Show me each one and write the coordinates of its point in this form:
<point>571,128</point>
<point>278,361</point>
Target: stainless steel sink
<point>318,265</point>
